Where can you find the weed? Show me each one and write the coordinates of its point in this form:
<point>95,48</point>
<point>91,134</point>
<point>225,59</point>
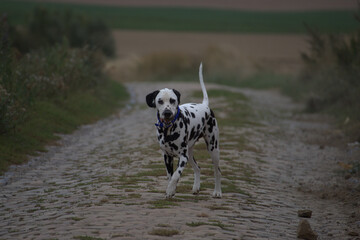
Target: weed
<point>217,207</point>
<point>203,215</point>
<point>87,238</point>
<point>134,195</point>
<point>210,223</point>
<point>164,232</point>
<point>77,219</point>
<point>164,203</point>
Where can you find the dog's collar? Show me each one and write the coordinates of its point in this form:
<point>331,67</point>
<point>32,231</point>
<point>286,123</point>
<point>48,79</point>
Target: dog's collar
<point>164,125</point>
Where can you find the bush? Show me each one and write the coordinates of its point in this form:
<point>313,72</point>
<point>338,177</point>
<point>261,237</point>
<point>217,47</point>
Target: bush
<point>332,73</point>
<point>47,28</point>
<point>42,74</point>
<point>11,105</point>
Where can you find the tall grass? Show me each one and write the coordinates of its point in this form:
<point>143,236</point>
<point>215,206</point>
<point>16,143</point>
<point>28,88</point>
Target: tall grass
<point>332,75</point>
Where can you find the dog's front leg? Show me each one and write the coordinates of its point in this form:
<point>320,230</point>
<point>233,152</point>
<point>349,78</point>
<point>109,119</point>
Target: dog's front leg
<point>170,191</point>
<point>169,165</point>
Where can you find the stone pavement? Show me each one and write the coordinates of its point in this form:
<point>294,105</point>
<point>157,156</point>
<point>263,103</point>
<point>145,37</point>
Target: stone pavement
<point>92,183</point>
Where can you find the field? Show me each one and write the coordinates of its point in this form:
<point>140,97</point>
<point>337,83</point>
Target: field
<point>197,19</point>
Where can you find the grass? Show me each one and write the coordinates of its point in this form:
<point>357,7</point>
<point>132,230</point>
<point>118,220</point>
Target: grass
<point>164,232</point>
<point>46,119</point>
<point>87,238</point>
<point>164,203</point>
<point>196,19</point>
<point>211,223</point>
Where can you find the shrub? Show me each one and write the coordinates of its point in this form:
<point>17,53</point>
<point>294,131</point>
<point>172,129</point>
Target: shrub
<point>41,74</point>
<point>47,28</point>
<point>332,73</point>
<point>11,105</point>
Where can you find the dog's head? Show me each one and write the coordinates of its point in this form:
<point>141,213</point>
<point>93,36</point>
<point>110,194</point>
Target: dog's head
<point>166,101</point>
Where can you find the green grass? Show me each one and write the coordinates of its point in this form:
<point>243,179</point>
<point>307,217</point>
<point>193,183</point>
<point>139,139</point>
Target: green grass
<point>196,19</point>
<point>211,223</point>
<point>164,232</point>
<point>164,203</point>
<point>87,238</point>
<point>46,118</point>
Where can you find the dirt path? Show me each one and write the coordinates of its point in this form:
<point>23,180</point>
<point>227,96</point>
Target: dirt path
<point>107,181</point>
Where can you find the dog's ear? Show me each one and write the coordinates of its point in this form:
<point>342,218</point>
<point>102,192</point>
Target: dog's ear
<point>177,95</point>
<point>150,98</point>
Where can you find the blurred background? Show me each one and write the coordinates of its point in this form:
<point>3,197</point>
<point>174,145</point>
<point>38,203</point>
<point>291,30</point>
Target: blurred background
<point>51,51</point>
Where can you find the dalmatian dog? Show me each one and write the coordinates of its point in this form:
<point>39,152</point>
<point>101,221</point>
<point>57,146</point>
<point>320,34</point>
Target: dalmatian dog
<point>179,127</point>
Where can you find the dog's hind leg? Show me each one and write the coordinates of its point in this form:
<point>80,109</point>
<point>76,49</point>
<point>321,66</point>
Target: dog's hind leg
<point>212,142</point>
<point>196,186</point>
<point>215,156</point>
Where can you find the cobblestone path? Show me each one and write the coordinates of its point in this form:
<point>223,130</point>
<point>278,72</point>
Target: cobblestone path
<point>107,180</point>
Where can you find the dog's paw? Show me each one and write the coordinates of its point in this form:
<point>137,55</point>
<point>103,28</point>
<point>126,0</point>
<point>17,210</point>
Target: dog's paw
<point>170,191</point>
<point>169,196</point>
<point>217,194</point>
<point>196,189</point>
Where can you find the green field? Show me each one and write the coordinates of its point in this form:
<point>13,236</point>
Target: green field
<point>196,19</point>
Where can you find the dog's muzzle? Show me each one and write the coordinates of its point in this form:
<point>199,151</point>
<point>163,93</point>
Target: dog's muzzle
<point>167,114</point>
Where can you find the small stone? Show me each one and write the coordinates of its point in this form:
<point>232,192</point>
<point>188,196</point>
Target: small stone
<point>304,213</point>
<point>304,231</point>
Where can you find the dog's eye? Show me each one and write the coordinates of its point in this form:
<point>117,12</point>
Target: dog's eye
<point>161,102</point>
<point>172,101</point>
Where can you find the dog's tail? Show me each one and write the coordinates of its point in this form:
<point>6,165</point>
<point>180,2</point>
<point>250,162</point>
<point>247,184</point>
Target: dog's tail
<point>205,99</point>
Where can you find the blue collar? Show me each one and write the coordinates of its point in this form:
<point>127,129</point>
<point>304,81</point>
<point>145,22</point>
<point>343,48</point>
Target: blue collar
<point>161,124</point>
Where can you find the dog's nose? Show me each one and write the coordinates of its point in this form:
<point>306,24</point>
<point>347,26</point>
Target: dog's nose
<point>167,113</point>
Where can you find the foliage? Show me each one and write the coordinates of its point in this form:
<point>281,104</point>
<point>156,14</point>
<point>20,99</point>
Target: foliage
<point>47,28</point>
<point>332,73</point>
<point>11,103</point>
<point>41,74</point>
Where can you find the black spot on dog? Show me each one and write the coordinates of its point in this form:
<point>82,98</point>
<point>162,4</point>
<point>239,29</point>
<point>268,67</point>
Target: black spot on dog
<point>179,172</point>
<point>192,133</point>
<point>169,164</point>
<point>193,115</point>
<point>184,152</point>
<point>212,113</point>
<point>173,146</point>
<point>181,125</point>
<point>203,121</point>
<point>212,139</point>
<point>198,126</point>
<point>172,137</point>
<point>182,164</point>
<point>210,124</point>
